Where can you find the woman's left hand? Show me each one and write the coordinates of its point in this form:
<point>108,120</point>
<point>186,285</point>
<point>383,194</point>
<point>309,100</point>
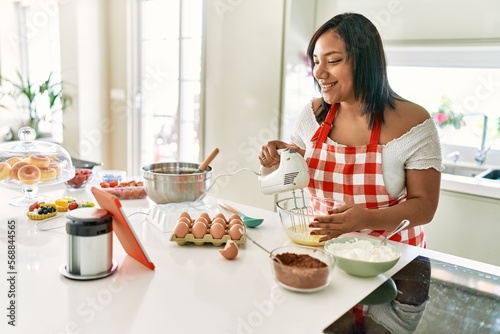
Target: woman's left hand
<point>347,218</point>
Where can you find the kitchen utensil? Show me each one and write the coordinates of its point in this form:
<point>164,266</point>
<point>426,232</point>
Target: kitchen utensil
<point>175,182</point>
<point>297,212</point>
<point>248,221</point>
<point>79,163</point>
<point>242,231</point>
<point>207,161</point>
<point>362,267</point>
<point>291,173</point>
<point>90,243</point>
<point>404,224</point>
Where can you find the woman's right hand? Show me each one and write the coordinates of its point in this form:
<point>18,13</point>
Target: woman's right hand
<point>269,156</point>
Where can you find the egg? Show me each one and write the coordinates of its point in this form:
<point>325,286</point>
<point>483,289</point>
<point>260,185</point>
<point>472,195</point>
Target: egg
<point>206,216</point>
<point>219,220</point>
<point>235,222</point>
<point>199,230</point>
<point>203,220</point>
<point>186,215</point>
<point>230,251</point>
<point>181,229</point>
<point>234,232</point>
<point>217,230</point>
<point>219,215</point>
<point>234,216</point>
<point>185,220</point>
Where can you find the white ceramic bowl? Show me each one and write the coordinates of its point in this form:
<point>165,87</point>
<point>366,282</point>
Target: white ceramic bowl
<point>352,255</point>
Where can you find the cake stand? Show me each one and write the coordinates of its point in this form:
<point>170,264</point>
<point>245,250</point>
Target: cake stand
<point>22,150</point>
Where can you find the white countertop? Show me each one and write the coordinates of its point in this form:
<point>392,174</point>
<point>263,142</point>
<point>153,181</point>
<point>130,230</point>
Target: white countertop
<point>192,290</point>
<point>470,185</point>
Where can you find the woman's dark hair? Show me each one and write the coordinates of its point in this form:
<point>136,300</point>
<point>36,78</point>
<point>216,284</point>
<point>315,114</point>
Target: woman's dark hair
<point>364,48</point>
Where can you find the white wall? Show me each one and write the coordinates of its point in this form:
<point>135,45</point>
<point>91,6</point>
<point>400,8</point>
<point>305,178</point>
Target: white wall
<point>95,47</point>
<point>83,67</point>
<point>243,91</point>
<point>407,20</point>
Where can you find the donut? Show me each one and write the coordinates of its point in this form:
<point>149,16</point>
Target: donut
<point>39,161</point>
<point>47,173</point>
<point>11,161</point>
<point>29,174</point>
<point>4,170</point>
<point>55,167</point>
<point>15,169</point>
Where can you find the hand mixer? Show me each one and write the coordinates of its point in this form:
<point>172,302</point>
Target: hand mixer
<point>291,174</point>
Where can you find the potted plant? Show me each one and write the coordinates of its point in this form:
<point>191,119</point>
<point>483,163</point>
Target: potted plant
<point>38,101</point>
<point>446,116</point>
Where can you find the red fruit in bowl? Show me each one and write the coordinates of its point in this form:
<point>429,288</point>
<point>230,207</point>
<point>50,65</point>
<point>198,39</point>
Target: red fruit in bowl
<point>82,176</point>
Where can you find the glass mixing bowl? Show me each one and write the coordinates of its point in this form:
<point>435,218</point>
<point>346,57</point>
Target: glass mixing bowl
<point>298,211</point>
<point>302,269</point>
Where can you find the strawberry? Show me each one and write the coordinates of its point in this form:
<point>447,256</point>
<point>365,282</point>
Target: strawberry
<point>72,205</point>
<point>34,206</point>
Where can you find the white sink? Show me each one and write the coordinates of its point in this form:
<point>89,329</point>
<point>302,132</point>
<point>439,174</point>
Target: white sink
<point>465,177</point>
<point>463,169</point>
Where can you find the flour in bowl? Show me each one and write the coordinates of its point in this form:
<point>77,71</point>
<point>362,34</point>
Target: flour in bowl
<point>362,250</point>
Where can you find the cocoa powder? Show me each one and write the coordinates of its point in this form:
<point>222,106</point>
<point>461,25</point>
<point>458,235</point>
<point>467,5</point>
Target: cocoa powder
<point>300,271</point>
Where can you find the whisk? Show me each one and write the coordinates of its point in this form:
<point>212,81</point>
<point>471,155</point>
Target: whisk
<point>299,212</point>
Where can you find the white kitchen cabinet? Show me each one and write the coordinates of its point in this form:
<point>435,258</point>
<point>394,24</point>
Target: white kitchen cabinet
<point>467,226</point>
<point>424,20</point>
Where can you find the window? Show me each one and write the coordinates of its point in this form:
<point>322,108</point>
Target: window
<point>170,66</point>
<point>38,44</point>
<point>460,82</point>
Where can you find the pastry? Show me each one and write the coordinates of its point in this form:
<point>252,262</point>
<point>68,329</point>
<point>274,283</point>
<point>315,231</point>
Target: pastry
<point>62,203</point>
<point>39,211</point>
<point>47,173</point>
<point>4,170</point>
<point>15,168</point>
<point>39,161</point>
<point>29,174</point>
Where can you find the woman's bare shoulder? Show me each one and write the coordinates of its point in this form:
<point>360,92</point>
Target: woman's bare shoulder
<point>405,116</point>
<point>411,111</point>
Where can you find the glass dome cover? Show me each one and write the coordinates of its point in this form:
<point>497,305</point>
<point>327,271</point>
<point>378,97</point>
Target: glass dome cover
<point>50,163</point>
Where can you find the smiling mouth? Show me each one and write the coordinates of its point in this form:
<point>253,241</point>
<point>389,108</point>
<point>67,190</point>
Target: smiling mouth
<point>326,86</point>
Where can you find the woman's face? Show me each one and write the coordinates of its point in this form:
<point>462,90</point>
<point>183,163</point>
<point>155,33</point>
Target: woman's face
<point>332,70</point>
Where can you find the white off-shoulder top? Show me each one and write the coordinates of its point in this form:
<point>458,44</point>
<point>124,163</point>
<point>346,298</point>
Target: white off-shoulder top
<point>419,148</point>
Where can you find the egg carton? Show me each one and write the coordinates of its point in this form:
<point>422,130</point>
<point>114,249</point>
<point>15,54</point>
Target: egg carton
<point>164,216</point>
<point>207,238</point>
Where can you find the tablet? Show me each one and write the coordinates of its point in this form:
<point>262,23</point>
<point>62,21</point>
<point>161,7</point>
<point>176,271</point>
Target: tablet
<point>122,228</point>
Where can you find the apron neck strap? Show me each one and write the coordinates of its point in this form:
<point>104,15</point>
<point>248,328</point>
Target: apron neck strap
<point>325,127</point>
<point>375,134</point>
<point>324,130</point>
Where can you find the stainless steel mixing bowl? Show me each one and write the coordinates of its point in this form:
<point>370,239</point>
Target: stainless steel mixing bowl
<point>175,182</point>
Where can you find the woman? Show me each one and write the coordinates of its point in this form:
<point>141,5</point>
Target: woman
<point>364,144</point>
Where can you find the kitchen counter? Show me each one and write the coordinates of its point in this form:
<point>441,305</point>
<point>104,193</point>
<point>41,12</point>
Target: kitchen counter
<point>470,185</point>
<point>192,290</point>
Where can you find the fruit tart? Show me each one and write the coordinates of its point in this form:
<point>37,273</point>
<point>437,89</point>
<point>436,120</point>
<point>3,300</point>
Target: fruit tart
<point>41,210</point>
